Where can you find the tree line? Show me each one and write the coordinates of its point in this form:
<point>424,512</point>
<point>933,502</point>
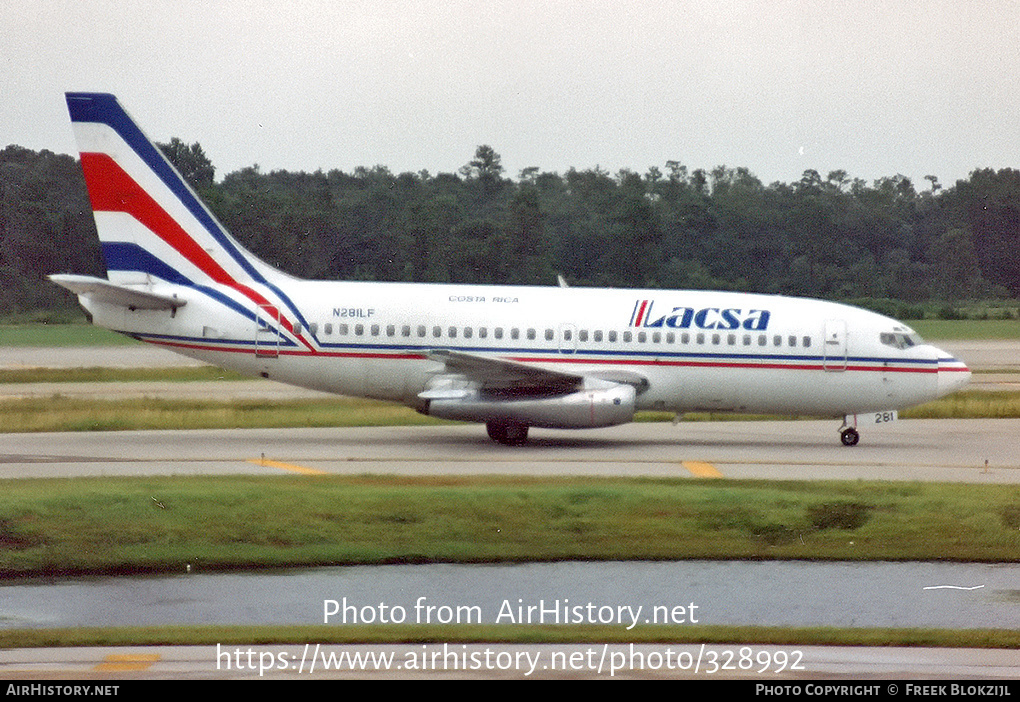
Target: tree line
<point>833,237</point>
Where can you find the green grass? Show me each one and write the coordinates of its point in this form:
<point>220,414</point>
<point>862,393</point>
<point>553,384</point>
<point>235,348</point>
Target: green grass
<point>60,413</point>
<point>162,525</point>
<point>969,404</point>
<point>536,634</point>
<point>123,375</point>
<point>967,329</point>
<point>48,335</point>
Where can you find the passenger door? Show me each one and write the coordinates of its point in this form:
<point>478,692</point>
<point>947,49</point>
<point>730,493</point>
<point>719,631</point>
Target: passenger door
<point>834,346</point>
<point>267,332</point>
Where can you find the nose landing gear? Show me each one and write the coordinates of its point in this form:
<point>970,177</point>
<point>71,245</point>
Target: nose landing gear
<point>848,434</point>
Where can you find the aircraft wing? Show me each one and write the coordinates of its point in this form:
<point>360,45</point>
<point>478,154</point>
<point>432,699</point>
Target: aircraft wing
<point>497,376</point>
<point>102,290</point>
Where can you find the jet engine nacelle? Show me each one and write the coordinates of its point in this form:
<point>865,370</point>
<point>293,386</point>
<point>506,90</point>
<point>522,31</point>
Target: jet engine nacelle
<point>589,408</point>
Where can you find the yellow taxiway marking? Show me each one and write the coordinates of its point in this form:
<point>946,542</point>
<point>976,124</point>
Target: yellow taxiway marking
<point>700,469</point>
<point>286,466</point>
<point>124,662</point>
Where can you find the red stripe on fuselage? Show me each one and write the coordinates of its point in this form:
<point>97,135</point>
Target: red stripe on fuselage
<point>547,362</point>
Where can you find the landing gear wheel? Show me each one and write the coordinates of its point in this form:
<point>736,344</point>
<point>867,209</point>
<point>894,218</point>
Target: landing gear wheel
<point>849,436</point>
<point>508,433</point>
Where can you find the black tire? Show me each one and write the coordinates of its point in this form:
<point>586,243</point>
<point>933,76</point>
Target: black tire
<point>850,437</point>
<point>508,433</point>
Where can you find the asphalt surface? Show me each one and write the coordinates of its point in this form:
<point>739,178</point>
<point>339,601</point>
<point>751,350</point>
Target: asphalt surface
<point>852,666</point>
<point>933,450</point>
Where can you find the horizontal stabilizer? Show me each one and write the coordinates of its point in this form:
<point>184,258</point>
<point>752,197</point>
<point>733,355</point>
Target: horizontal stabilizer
<point>101,290</point>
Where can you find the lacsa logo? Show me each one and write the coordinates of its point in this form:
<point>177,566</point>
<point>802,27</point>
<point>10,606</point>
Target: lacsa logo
<point>708,318</point>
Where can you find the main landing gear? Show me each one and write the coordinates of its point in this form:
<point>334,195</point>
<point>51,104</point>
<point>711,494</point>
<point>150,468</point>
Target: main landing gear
<point>849,434</point>
<point>507,433</point>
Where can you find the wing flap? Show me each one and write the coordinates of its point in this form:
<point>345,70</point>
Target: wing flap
<point>465,372</point>
<point>495,374</point>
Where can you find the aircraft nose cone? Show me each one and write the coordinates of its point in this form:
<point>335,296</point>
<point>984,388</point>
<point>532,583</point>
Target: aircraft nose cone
<point>953,374</point>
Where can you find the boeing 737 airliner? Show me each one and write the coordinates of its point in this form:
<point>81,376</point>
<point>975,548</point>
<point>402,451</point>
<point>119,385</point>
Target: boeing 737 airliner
<point>511,357</point>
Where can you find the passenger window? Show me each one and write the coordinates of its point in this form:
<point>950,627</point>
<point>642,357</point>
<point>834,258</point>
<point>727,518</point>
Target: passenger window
<point>777,340</point>
<point>405,330</point>
<point>806,342</point>
<point>793,341</point>
<point>515,333</point>
<point>612,337</point>
<point>391,330</point>
<point>483,333</point>
<point>731,339</point>
<point>342,330</point>
<point>313,328</point>
<point>498,332</point>
<point>598,335</point>
<point>359,330</point>
<point>468,332</point>
<point>531,334</point>
<point>453,332</point>
<point>549,335</point>
<point>582,335</point>
<point>421,330</point>
<point>437,332</point>
<point>328,329</point>
<point>642,337</point>
<point>627,336</point>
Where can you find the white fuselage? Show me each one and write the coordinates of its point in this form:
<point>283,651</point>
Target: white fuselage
<point>697,350</point>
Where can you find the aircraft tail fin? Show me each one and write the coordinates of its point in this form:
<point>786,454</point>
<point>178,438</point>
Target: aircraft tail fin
<point>151,224</point>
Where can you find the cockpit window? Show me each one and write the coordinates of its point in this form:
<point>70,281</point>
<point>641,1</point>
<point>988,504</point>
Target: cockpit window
<point>901,338</point>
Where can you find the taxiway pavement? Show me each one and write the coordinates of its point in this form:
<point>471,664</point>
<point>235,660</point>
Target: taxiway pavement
<point>856,670</point>
<point>925,450</point>
<point>942,450</point>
